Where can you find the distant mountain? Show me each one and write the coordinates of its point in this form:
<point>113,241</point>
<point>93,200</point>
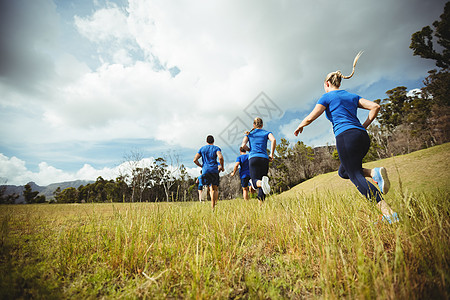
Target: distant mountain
<point>47,191</point>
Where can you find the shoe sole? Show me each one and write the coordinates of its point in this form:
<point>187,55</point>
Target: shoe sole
<point>265,185</point>
<point>385,180</point>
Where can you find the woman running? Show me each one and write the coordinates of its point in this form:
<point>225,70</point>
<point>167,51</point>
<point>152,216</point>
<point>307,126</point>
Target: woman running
<point>352,140</point>
<point>258,158</point>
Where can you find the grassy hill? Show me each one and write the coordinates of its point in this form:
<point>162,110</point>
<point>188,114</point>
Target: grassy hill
<point>321,239</point>
<point>419,171</point>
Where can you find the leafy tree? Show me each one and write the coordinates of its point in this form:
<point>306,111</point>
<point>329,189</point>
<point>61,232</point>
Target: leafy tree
<point>68,195</point>
<point>393,108</point>
<point>122,187</point>
<point>32,197</point>
<point>280,169</point>
<point>422,41</point>
<point>141,179</point>
<point>283,148</point>
<point>304,158</point>
<point>7,199</point>
<point>437,84</point>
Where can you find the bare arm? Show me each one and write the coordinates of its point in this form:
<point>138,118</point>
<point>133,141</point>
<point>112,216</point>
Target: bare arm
<point>373,108</point>
<point>221,161</point>
<point>244,143</point>
<point>272,146</point>
<point>314,114</point>
<point>196,158</point>
<point>236,166</point>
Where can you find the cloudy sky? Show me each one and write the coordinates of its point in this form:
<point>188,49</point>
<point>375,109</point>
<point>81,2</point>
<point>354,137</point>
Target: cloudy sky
<point>85,83</point>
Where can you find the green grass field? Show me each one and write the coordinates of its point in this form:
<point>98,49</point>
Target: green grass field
<point>318,240</point>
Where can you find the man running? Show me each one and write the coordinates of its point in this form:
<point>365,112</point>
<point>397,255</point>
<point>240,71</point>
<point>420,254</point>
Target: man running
<point>244,172</point>
<point>210,169</point>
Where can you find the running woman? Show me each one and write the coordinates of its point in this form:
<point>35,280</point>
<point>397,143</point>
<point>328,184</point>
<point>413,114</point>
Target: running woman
<point>352,140</point>
<point>244,172</point>
<point>200,186</point>
<point>258,159</point>
<point>210,169</point>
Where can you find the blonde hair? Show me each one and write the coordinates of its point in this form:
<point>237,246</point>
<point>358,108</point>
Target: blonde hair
<point>257,122</point>
<point>335,77</point>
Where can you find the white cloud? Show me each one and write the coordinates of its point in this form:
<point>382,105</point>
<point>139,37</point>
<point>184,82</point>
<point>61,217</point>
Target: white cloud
<point>318,133</point>
<point>106,24</point>
<point>413,92</point>
<point>14,170</point>
<point>227,53</point>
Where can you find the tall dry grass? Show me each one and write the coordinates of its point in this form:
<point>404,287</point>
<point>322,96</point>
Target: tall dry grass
<point>318,245</point>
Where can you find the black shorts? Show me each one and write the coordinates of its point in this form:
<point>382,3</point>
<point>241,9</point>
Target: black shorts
<point>210,179</point>
<point>245,181</point>
<point>259,167</point>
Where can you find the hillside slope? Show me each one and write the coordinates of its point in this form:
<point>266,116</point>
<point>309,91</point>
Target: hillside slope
<point>415,172</point>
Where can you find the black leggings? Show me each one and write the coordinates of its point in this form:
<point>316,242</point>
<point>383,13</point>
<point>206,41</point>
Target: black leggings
<point>352,145</point>
<point>259,167</point>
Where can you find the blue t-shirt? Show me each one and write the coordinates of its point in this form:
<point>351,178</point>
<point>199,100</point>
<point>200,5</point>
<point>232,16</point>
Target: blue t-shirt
<point>244,170</point>
<point>341,107</point>
<point>257,140</point>
<point>209,158</point>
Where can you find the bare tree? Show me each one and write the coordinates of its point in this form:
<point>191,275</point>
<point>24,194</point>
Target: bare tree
<point>172,167</point>
<point>137,174</point>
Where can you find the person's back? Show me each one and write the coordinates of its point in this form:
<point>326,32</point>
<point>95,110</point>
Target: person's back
<point>209,158</point>
<point>210,168</point>
<point>244,170</point>
<point>341,110</point>
<point>258,143</point>
<point>352,139</point>
<point>258,158</point>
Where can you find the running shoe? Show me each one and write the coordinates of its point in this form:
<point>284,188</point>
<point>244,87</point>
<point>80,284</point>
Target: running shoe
<point>251,184</point>
<point>265,185</point>
<point>381,178</point>
<point>390,219</point>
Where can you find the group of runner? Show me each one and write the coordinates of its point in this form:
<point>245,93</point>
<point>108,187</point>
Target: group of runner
<point>352,143</point>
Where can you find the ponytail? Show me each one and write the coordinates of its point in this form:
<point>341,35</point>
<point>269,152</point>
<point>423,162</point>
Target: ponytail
<point>335,77</point>
<point>354,64</point>
<point>257,123</point>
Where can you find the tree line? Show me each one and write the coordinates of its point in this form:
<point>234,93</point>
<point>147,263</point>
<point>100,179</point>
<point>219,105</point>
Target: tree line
<point>156,182</point>
<point>406,123</point>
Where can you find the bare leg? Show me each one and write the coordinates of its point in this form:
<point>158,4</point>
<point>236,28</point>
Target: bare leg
<point>214,192</point>
<point>245,193</point>
<point>367,172</point>
<point>200,195</point>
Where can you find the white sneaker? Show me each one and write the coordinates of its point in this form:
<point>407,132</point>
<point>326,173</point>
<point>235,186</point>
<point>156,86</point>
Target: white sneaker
<point>265,185</point>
